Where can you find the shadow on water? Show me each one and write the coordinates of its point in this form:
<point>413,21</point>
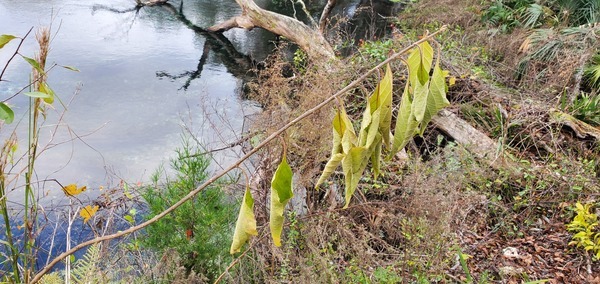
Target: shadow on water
<point>52,233</point>
<point>238,64</point>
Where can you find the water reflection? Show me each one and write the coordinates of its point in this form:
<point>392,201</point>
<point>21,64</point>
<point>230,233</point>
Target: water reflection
<point>124,121</point>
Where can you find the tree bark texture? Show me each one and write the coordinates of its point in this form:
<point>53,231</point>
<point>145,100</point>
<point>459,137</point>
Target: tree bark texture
<point>310,40</point>
<point>476,142</point>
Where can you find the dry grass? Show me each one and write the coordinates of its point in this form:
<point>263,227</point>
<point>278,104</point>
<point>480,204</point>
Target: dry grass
<point>409,228</point>
<point>413,219</point>
<point>285,92</point>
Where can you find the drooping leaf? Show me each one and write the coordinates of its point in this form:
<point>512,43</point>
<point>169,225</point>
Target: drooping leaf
<point>72,189</point>
<point>281,193</point>
<point>333,163</point>
<point>369,127</point>
<point>44,88</point>
<point>33,63</point>
<point>4,39</point>
<point>419,103</point>
<point>436,99</point>
<point>338,133</point>
<point>378,114</point>
<point>344,138</point>
<point>349,136</point>
<point>6,113</point>
<point>365,125</point>
<point>353,166</point>
<point>87,212</point>
<point>386,88</point>
<point>419,63</point>
<point>245,226</point>
<point>406,124</point>
<point>422,72</point>
<point>376,156</point>
<point>38,95</point>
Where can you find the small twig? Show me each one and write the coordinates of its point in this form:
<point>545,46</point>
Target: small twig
<point>454,278</point>
<point>228,146</point>
<point>236,164</point>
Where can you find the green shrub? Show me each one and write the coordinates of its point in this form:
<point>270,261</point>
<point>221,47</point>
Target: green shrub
<point>586,107</point>
<point>504,15</point>
<point>199,231</point>
<point>378,50</point>
<point>591,73</point>
<point>584,226</point>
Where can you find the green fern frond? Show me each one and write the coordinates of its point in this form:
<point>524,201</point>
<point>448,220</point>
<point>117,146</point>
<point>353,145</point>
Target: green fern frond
<point>533,15</point>
<point>85,269</point>
<point>52,278</point>
<point>592,72</point>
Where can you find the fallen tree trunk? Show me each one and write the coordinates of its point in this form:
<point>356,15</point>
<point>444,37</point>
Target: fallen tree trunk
<point>310,40</point>
<point>581,129</point>
<point>476,142</point>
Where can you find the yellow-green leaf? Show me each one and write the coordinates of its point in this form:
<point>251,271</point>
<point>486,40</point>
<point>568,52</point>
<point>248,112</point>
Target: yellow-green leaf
<point>376,156</point>
<point>70,68</point>
<point>44,88</point>
<point>369,127</point>
<point>419,63</point>
<point>344,136</point>
<point>129,219</point>
<point>40,95</point>
<point>246,223</point>
<point>4,39</point>
<point>6,113</point>
<point>385,89</point>
<point>72,189</point>
<point>436,98</point>
<point>419,103</point>
<point>406,124</point>
<point>87,212</point>
<point>377,116</point>
<point>353,166</point>
<point>281,193</point>
<point>33,63</point>
<point>330,167</point>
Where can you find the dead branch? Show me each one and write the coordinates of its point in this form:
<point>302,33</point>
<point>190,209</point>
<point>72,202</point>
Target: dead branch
<point>310,40</point>
<point>581,129</point>
<point>326,12</point>
<point>476,142</point>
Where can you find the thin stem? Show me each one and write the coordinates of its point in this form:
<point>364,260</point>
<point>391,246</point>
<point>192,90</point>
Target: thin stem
<point>236,164</point>
<point>14,54</point>
<point>8,229</point>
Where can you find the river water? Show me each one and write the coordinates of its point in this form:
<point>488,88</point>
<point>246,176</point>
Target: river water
<point>143,75</point>
<point>146,76</point>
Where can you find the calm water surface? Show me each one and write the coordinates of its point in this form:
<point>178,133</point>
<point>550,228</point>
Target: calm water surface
<point>143,75</point>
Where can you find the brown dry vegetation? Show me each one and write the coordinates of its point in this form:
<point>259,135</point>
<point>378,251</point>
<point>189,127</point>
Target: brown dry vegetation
<point>411,224</point>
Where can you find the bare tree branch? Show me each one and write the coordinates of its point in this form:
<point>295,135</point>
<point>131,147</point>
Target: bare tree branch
<point>310,40</point>
<point>326,12</point>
